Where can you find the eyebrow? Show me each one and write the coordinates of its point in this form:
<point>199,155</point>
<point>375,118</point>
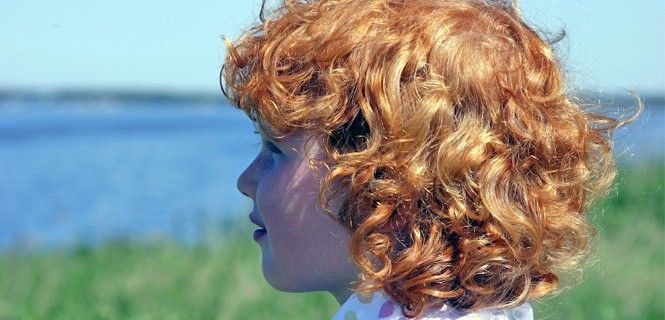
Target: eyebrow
<point>258,130</point>
<point>265,136</point>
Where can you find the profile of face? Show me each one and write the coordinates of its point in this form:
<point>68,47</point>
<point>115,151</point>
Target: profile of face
<point>303,248</point>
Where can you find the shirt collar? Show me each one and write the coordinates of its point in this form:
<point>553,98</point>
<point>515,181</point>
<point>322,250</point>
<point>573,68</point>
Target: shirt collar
<point>379,306</point>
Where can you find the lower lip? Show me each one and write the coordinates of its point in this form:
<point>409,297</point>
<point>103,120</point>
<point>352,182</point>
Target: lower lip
<point>259,233</point>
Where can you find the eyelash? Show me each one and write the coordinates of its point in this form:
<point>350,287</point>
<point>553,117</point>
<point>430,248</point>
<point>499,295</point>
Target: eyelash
<point>270,146</point>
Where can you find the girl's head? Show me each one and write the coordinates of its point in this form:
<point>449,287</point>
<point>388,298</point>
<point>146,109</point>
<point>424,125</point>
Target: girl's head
<point>453,165</point>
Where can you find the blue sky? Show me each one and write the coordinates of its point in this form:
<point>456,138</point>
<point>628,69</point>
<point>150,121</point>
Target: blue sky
<point>612,45</point>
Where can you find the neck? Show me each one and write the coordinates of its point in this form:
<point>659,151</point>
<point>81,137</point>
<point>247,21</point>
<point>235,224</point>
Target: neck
<point>341,295</point>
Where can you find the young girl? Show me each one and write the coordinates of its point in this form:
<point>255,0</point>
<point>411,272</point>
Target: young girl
<point>420,157</point>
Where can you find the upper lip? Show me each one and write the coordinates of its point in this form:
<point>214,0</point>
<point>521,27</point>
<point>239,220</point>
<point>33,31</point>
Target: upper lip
<point>255,220</point>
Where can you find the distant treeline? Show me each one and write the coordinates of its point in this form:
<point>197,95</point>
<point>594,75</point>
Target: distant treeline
<point>156,96</point>
<point>85,95</point>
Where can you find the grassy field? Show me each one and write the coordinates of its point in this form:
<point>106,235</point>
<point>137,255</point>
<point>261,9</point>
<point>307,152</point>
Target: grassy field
<point>165,280</point>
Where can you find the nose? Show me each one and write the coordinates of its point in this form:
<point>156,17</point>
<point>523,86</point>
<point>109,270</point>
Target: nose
<point>246,183</point>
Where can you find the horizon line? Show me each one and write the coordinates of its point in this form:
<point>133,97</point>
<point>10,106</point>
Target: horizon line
<point>74,94</point>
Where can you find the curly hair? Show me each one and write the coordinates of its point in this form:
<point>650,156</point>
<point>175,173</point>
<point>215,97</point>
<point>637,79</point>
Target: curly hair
<point>470,170</point>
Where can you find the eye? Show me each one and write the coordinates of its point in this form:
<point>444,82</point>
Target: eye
<point>269,145</point>
<point>272,147</point>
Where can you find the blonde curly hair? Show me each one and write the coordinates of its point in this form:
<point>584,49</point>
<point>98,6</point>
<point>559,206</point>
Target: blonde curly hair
<point>469,170</point>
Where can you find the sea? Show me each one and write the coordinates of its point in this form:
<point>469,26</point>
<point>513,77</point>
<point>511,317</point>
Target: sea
<point>88,172</point>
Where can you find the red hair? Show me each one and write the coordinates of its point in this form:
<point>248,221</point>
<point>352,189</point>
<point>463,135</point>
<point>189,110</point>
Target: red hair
<point>469,169</point>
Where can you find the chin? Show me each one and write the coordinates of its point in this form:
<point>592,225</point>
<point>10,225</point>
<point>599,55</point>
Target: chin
<point>287,283</point>
<point>288,287</point>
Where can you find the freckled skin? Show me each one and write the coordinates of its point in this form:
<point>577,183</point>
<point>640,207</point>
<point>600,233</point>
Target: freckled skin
<point>304,249</point>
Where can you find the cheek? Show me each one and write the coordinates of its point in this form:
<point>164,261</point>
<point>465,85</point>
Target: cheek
<point>287,198</point>
<point>274,193</point>
<point>270,191</point>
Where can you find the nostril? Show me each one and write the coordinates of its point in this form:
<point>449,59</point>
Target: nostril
<point>247,181</point>
<point>242,188</point>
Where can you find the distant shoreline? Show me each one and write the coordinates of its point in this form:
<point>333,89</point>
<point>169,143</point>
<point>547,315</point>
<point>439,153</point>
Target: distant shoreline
<point>114,95</point>
<point>96,95</point>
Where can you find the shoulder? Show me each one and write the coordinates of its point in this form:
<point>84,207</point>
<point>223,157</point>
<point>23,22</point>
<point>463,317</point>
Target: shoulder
<point>380,306</point>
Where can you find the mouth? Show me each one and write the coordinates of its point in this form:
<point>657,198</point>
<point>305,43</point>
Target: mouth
<point>261,231</point>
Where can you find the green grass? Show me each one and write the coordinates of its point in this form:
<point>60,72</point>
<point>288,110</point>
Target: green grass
<point>165,280</point>
<point>150,281</point>
<point>626,279</point>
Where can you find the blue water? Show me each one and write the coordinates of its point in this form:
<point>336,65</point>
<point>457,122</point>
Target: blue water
<point>74,173</point>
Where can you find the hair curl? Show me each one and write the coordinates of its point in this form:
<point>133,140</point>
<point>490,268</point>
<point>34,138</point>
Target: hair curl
<point>469,169</point>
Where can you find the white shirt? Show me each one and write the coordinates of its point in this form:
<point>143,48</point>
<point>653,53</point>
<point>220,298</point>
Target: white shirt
<point>380,306</point>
